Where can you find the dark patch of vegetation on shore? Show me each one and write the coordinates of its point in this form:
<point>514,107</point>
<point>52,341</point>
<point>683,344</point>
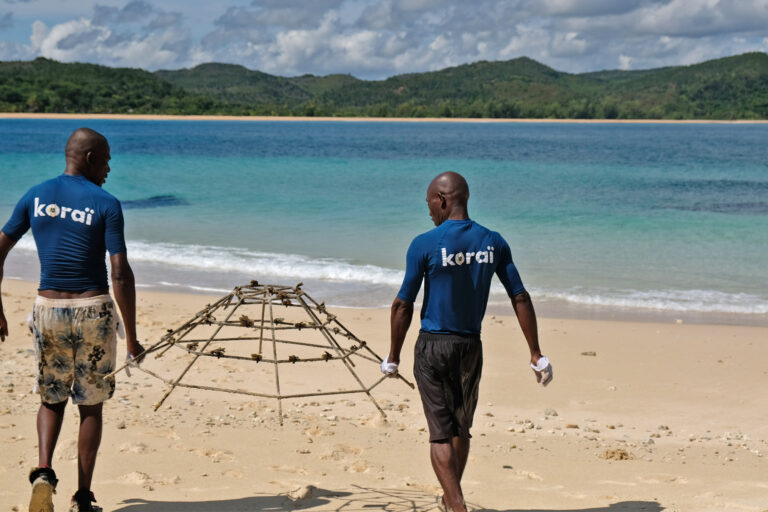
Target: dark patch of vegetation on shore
<point>730,88</point>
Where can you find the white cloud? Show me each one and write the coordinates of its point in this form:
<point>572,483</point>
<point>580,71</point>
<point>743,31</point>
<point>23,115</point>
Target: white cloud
<point>625,62</point>
<point>380,38</point>
<point>568,44</point>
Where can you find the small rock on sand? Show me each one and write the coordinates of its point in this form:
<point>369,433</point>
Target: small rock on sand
<point>617,454</point>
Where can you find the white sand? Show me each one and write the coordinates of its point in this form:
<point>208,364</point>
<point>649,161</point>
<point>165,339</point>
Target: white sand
<point>663,417</point>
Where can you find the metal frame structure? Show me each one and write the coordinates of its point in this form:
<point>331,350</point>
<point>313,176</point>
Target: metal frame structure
<point>267,330</point>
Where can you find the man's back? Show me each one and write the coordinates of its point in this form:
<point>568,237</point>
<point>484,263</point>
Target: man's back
<point>74,222</point>
<point>457,260</point>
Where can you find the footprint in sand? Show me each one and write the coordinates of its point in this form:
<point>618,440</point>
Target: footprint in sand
<point>359,466</point>
<point>373,420</point>
<point>341,452</point>
<point>67,451</point>
<point>134,448</point>
<point>147,482</point>
<point>521,474</point>
<point>213,454</point>
<point>290,469</point>
<point>662,478</point>
<point>317,431</point>
<point>136,478</point>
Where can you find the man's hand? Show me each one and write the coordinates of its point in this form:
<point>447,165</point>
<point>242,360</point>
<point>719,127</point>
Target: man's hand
<point>136,352</point>
<point>3,327</point>
<point>543,370</point>
<point>388,369</point>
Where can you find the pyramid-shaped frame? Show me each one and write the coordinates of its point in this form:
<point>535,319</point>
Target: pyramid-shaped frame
<point>241,326</point>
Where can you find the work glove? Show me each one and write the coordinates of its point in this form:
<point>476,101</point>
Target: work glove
<point>387,368</point>
<point>543,371</point>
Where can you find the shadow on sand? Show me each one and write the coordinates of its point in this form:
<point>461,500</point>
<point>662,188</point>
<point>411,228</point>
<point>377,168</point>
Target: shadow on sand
<point>358,499</point>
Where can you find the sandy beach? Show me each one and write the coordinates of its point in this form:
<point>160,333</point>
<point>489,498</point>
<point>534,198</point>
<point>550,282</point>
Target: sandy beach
<point>162,117</point>
<point>641,416</point>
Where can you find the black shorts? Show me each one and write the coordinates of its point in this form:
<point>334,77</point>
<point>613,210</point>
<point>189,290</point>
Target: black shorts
<point>447,369</point>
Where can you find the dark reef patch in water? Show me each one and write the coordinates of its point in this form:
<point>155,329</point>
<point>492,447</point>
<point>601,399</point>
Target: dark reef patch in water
<point>161,201</point>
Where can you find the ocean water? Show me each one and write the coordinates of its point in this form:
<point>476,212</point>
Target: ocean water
<point>662,220</point>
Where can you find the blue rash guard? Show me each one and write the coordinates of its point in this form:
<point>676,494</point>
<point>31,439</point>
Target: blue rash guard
<point>457,261</point>
<point>74,223</point>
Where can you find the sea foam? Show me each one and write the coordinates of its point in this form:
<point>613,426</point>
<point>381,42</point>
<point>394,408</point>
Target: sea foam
<point>192,260</point>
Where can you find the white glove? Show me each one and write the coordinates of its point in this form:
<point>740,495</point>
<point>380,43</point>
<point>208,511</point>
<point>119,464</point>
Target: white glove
<point>387,368</point>
<point>131,362</point>
<point>543,371</point>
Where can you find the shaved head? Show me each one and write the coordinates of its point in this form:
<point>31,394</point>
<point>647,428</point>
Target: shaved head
<point>451,185</point>
<point>87,154</point>
<point>447,197</point>
<point>84,140</point>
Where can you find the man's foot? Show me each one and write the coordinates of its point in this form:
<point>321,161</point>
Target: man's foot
<point>441,506</point>
<point>43,482</point>
<point>82,502</point>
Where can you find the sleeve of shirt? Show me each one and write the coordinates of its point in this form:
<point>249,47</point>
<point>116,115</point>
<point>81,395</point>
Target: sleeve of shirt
<point>415,266</point>
<point>114,239</point>
<point>18,224</point>
<point>506,270</point>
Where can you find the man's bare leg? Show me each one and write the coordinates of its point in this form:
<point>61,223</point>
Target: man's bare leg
<point>88,443</point>
<point>446,463</point>
<point>49,420</point>
<point>461,449</point>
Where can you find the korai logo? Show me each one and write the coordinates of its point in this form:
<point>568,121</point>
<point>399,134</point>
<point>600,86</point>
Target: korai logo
<point>462,258</point>
<point>53,210</point>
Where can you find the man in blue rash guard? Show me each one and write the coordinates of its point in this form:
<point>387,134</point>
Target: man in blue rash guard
<point>74,222</point>
<point>456,261</point>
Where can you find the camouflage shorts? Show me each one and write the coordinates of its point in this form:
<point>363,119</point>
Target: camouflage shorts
<point>75,347</point>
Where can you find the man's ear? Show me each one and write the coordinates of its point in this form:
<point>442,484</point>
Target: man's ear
<point>90,157</point>
<point>442,201</point>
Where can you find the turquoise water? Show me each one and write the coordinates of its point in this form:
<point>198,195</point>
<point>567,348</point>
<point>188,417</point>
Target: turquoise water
<point>657,218</point>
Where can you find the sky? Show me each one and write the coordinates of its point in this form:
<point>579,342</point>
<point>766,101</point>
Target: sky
<point>375,39</point>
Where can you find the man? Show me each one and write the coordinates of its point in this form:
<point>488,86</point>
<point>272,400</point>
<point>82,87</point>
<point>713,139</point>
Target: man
<point>456,261</point>
<point>74,222</point>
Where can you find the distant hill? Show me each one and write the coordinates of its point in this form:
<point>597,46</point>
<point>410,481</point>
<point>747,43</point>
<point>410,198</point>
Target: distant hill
<point>44,85</point>
<point>729,88</point>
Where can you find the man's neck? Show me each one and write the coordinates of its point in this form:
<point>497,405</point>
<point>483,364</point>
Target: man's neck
<point>458,214</point>
<point>72,171</point>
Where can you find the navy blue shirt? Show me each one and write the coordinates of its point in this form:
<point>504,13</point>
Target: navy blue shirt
<point>457,261</point>
<point>74,223</point>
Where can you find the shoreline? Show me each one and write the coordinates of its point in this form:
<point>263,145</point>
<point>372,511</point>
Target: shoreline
<point>545,310</point>
<point>169,117</point>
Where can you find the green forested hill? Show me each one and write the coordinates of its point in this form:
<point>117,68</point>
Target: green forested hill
<point>728,88</point>
<point>44,85</point>
<point>236,85</point>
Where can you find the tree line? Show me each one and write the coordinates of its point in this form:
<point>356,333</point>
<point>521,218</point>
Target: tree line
<point>730,88</point>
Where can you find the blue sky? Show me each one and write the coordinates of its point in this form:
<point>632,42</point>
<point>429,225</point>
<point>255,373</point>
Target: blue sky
<point>379,38</point>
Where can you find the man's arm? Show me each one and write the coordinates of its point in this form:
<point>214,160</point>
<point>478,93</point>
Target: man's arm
<point>6,244</point>
<point>526,317</point>
<point>399,321</point>
<point>124,287</point>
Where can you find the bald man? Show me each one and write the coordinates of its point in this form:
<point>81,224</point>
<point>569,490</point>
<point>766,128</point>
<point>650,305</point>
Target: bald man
<point>74,223</point>
<point>456,261</point>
